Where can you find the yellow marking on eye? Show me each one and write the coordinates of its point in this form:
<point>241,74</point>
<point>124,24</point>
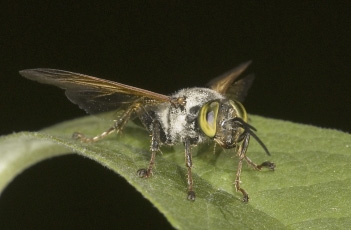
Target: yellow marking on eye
<point>208,118</point>
<point>239,110</point>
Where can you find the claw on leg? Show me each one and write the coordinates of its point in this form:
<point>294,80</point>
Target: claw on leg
<point>144,173</point>
<point>267,164</point>
<point>191,195</point>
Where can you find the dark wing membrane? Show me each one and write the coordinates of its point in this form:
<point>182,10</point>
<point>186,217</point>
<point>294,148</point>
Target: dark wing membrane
<point>92,94</point>
<point>94,102</point>
<point>239,89</point>
<point>232,84</point>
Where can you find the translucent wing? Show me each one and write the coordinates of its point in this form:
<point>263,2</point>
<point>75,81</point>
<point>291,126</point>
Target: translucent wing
<point>231,84</point>
<point>92,94</point>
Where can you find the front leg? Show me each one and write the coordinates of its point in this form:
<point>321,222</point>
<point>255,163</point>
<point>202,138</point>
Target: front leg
<point>155,143</point>
<point>241,154</point>
<point>189,164</point>
<point>245,138</point>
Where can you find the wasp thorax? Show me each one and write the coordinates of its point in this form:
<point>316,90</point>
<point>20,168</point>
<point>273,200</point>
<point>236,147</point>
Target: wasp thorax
<point>216,121</point>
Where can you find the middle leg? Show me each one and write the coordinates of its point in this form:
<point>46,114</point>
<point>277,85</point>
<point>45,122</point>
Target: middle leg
<point>154,148</point>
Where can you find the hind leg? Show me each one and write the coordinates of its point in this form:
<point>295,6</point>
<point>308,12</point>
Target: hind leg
<point>117,127</point>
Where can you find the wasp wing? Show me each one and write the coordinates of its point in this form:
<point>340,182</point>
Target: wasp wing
<point>231,84</point>
<point>92,94</point>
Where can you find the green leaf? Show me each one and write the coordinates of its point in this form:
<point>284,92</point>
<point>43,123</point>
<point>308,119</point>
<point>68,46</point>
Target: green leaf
<point>310,187</point>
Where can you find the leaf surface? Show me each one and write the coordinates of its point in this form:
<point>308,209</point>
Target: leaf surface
<point>310,187</point>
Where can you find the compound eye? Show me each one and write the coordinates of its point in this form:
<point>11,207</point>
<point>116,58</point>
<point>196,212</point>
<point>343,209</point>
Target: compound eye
<point>239,110</point>
<point>208,118</point>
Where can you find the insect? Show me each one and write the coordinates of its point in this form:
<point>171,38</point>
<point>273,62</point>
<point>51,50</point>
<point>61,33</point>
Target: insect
<point>189,116</point>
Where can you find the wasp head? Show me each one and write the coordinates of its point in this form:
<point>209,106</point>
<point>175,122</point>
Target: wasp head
<point>226,122</point>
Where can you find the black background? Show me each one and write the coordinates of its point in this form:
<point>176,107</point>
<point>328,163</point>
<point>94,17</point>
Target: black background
<point>301,58</point>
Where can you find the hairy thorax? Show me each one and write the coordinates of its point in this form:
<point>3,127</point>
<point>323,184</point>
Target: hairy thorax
<point>180,122</point>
